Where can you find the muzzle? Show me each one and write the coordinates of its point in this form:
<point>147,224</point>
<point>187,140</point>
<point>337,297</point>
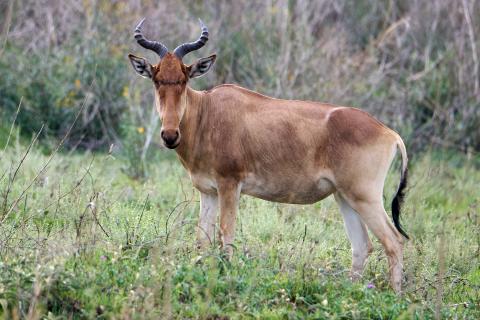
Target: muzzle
<point>170,137</point>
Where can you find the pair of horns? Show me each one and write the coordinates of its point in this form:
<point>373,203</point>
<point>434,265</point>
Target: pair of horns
<point>162,50</point>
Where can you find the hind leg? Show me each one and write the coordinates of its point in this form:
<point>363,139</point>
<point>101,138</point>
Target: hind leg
<point>373,214</point>
<point>358,236</point>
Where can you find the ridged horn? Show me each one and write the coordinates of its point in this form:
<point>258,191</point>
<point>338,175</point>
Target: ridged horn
<point>185,48</point>
<point>155,46</point>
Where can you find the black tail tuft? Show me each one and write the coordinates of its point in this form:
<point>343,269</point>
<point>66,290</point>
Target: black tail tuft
<point>397,203</point>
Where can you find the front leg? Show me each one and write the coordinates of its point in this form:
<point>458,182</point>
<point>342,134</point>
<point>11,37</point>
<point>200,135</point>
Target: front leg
<point>229,194</point>
<point>207,220</point>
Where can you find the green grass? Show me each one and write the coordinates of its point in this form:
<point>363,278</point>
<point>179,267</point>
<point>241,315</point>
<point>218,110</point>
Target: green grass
<point>88,242</point>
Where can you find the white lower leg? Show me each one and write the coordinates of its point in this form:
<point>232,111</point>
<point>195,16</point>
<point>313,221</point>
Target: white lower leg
<point>358,236</point>
<point>207,220</point>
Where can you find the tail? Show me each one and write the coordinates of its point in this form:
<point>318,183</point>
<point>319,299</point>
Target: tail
<point>400,195</point>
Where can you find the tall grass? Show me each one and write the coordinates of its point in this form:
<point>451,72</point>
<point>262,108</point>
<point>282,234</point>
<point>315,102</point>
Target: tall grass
<point>87,241</point>
<point>85,234</point>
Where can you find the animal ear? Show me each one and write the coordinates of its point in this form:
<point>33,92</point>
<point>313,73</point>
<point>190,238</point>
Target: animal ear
<point>141,65</point>
<point>201,67</point>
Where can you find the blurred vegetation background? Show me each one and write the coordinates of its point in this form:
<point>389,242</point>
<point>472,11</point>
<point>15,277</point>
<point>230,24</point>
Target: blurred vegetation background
<point>413,64</point>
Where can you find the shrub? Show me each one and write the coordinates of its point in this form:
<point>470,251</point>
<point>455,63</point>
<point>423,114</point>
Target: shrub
<point>57,87</point>
<point>414,64</point>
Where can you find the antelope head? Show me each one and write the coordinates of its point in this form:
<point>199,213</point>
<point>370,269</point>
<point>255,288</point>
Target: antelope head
<point>170,76</point>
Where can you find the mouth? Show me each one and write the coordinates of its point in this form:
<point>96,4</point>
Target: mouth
<point>171,146</point>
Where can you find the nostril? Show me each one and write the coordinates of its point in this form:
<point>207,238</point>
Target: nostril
<point>170,136</point>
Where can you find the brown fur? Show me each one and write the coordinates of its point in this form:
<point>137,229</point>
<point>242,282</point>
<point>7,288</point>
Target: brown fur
<point>170,69</point>
<point>235,141</point>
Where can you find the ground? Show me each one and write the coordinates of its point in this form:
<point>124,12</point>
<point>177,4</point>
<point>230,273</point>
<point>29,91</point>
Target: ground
<point>86,241</point>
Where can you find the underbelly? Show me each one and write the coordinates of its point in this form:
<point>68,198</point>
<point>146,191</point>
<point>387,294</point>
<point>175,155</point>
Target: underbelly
<point>296,191</point>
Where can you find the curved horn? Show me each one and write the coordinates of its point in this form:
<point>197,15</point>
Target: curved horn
<point>155,46</point>
<point>185,48</point>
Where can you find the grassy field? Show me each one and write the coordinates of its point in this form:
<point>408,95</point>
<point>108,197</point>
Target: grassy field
<point>92,235</point>
<point>83,240</point>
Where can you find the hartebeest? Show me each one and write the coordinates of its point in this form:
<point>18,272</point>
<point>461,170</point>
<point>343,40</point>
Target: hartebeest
<point>232,141</point>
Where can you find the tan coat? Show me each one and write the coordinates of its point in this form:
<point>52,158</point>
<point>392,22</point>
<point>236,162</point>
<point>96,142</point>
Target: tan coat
<point>235,141</point>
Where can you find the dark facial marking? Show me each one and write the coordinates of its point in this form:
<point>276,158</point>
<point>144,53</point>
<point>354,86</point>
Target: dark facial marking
<point>170,82</point>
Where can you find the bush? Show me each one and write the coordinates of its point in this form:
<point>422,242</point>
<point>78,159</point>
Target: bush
<point>414,65</point>
<point>57,87</point>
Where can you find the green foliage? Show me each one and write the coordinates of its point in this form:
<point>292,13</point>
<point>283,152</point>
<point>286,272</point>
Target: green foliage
<point>56,87</point>
<point>4,131</point>
<point>89,236</point>
<point>414,65</point>
<point>87,241</point>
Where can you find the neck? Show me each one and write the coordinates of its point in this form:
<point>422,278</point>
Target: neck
<point>195,105</point>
